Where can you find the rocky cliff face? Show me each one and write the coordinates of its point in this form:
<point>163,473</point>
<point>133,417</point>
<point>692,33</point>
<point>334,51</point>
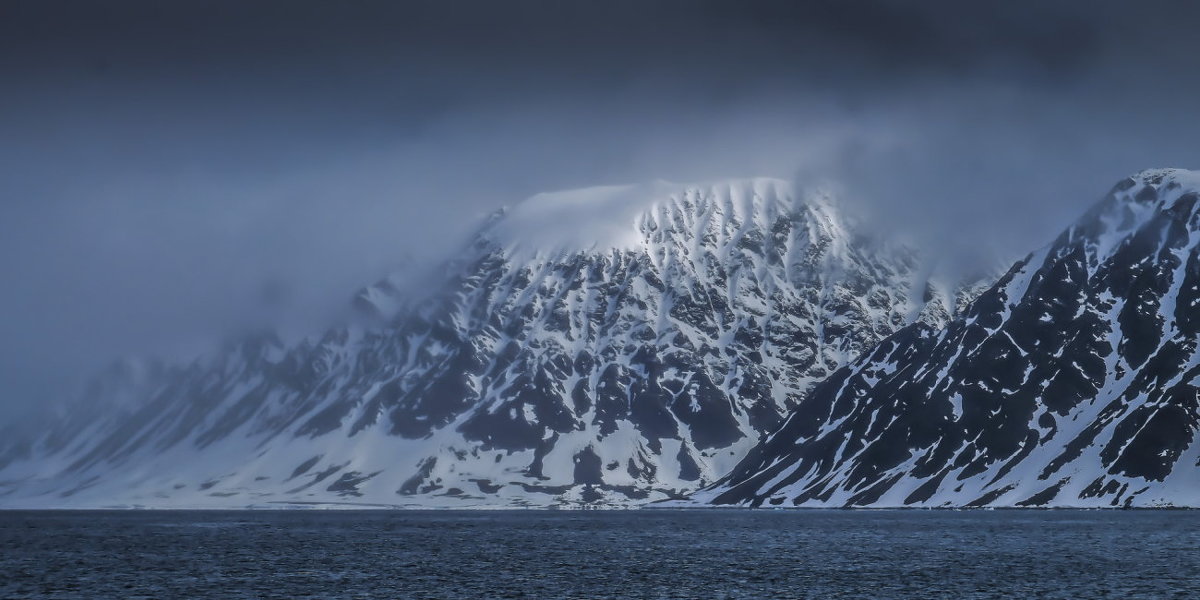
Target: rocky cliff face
<point>1071,382</point>
<point>609,346</point>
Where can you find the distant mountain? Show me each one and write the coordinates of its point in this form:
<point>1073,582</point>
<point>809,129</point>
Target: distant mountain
<point>611,345</point>
<point>1074,381</point>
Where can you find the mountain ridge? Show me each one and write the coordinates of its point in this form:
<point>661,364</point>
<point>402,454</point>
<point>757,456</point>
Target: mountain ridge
<point>607,377</point>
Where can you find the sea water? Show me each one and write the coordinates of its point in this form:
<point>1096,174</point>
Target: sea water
<point>651,553</point>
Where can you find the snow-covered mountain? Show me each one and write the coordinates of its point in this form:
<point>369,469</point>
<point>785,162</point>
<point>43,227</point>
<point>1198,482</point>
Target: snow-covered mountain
<point>1074,381</point>
<point>611,345</point>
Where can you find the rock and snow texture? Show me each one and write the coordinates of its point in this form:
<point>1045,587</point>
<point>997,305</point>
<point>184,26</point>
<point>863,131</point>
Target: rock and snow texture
<point>1072,382</point>
<point>614,345</point>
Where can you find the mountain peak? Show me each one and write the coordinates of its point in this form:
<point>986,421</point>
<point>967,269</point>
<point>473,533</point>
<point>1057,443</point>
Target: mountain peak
<point>1158,187</point>
<point>1158,176</point>
<point>614,217</point>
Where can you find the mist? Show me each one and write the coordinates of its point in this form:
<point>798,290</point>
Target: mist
<point>173,174</point>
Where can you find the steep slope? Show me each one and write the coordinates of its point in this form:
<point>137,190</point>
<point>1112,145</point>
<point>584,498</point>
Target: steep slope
<point>611,345</point>
<point>1071,382</point>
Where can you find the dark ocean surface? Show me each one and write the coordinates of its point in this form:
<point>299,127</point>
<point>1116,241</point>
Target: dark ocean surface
<point>592,554</point>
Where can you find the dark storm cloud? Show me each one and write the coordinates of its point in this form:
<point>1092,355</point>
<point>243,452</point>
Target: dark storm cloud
<point>175,171</point>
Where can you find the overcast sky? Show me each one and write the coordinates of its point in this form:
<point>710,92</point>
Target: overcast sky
<point>174,172</point>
